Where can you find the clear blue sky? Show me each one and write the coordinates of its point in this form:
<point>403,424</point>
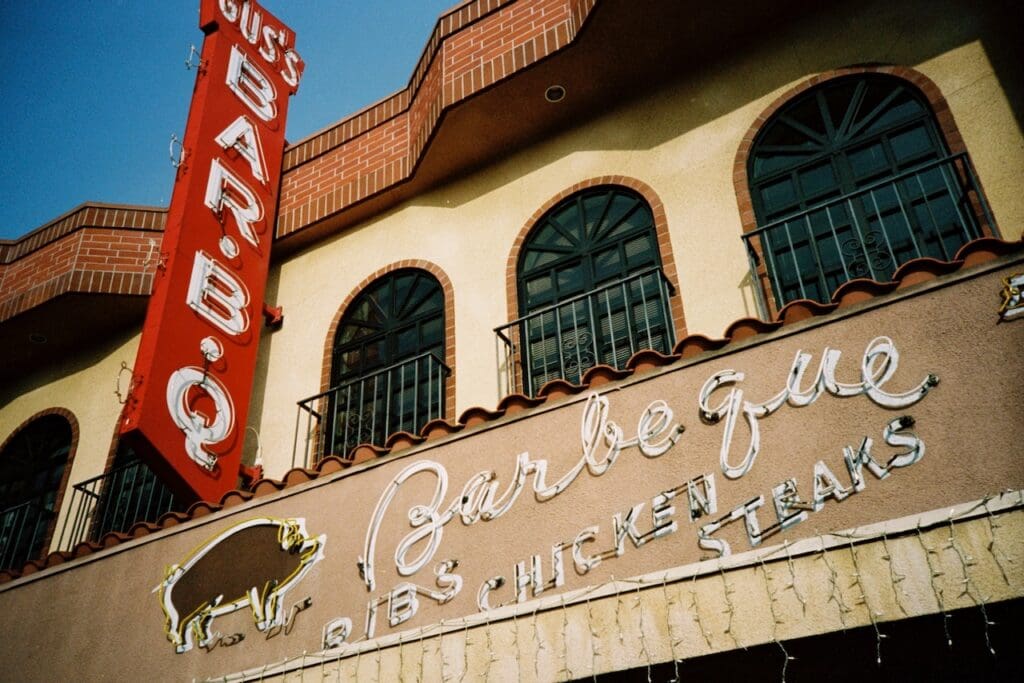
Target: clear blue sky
<point>94,89</point>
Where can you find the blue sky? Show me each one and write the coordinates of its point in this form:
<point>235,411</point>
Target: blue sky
<point>94,89</point>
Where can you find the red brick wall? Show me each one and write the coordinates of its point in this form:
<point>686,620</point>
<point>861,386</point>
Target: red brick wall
<point>472,47</point>
<point>93,249</point>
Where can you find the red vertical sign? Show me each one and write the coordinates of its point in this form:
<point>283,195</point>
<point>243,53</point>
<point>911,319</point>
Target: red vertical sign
<point>193,376</point>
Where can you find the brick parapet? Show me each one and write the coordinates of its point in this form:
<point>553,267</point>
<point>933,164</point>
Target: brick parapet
<point>474,46</point>
<point>95,249</point>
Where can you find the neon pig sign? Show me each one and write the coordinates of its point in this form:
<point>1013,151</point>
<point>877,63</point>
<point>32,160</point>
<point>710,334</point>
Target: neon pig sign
<point>196,361</point>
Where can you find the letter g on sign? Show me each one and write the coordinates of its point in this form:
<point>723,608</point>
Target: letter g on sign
<point>200,431</point>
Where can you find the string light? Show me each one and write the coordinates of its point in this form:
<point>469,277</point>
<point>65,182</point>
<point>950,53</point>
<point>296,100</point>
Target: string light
<point>670,606</point>
<point>775,617</point>
<point>792,578</point>
<point>933,573</point>
<point>540,646</point>
<point>515,644</point>
<point>872,615</point>
<point>491,658</point>
<point>401,657</point>
<point>566,671</point>
<point>730,609</point>
<point>423,655</point>
<point>992,526</point>
<point>444,660</point>
<point>835,595</point>
<point>618,616</point>
<point>965,562</point>
<point>643,637</point>
<point>465,652</point>
<point>594,640</point>
<point>894,577</point>
<point>696,612</point>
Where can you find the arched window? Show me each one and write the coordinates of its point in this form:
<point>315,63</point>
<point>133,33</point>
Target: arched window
<point>31,471</point>
<point>387,369</point>
<point>851,179</point>
<point>590,287</point>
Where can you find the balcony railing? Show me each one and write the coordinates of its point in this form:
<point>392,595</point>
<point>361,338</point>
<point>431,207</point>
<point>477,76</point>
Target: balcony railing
<point>114,502</point>
<point>400,397</point>
<point>931,210</point>
<point>22,532</point>
<point>604,326</point>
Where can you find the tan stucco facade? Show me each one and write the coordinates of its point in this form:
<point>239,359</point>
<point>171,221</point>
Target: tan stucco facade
<point>951,492</point>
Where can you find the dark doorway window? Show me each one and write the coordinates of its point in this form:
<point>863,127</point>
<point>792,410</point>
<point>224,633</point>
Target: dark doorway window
<point>388,370</point>
<point>31,471</point>
<point>852,179</point>
<point>590,286</point>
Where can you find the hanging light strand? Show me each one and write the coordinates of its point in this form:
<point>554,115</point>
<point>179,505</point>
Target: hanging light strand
<point>872,614</point>
<point>491,657</point>
<point>835,595</point>
<point>696,612</point>
<point>465,651</point>
<point>776,620</point>
<point>894,576</point>
<point>970,590</point>
<point>643,637</point>
<point>792,578</point>
<point>670,607</point>
<point>401,657</point>
<point>933,574</point>
<point>566,671</point>
<point>730,608</point>
<point>445,666</point>
<point>540,646</point>
<point>595,638</point>
<point>992,548</point>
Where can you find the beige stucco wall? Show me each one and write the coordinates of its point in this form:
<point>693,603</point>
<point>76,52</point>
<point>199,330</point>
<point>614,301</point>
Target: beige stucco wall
<point>113,629</point>
<point>84,385</point>
<point>682,141</point>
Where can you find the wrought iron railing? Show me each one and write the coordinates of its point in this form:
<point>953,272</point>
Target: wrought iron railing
<point>604,326</point>
<point>22,532</point>
<point>400,397</point>
<point>931,210</point>
<point>114,502</point>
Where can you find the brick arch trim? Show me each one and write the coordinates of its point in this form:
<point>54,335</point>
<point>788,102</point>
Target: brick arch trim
<point>926,86</point>
<point>668,262</point>
<point>62,487</point>
<point>449,323</point>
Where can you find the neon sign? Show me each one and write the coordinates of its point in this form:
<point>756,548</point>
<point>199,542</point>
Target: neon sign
<point>194,370</point>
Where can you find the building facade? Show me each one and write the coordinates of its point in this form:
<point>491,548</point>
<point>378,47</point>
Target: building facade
<point>630,338</point>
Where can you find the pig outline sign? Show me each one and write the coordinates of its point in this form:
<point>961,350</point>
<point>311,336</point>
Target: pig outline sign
<point>266,601</point>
